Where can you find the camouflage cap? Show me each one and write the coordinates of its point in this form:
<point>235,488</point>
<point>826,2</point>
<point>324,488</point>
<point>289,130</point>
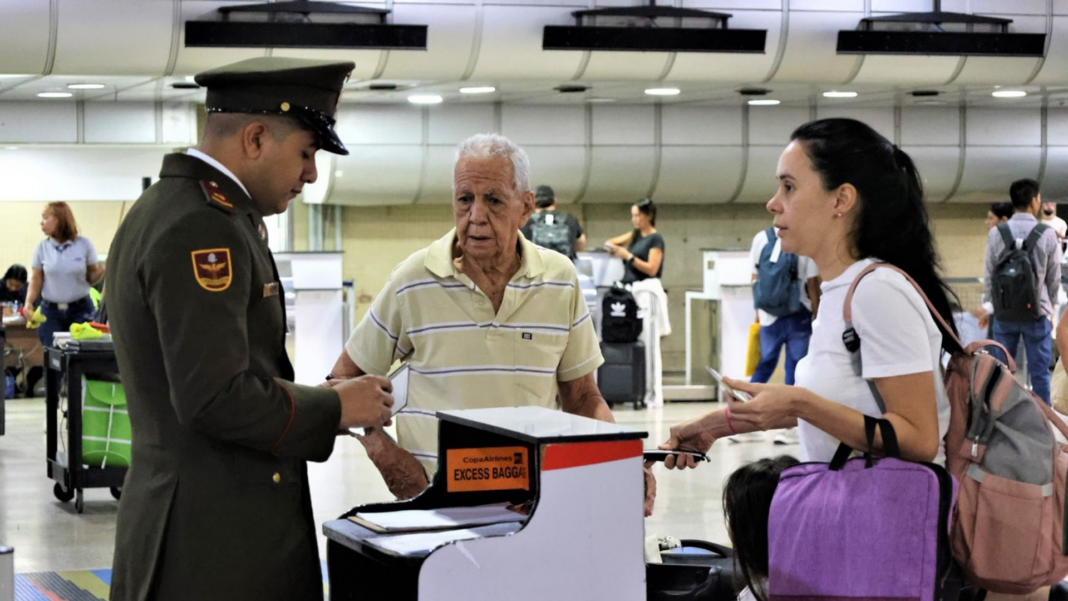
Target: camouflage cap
<point>307,90</point>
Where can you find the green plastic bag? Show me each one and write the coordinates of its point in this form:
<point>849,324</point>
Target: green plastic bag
<point>105,425</point>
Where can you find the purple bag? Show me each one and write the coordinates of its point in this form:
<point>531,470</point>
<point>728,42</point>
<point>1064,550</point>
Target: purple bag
<point>863,529</point>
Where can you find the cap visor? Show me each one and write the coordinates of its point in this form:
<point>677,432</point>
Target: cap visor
<point>326,136</point>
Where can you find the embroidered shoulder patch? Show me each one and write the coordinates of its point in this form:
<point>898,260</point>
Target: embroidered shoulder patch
<point>214,195</point>
<point>212,269</point>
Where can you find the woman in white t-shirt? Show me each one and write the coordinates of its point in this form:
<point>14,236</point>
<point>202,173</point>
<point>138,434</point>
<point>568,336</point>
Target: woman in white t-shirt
<point>847,197</point>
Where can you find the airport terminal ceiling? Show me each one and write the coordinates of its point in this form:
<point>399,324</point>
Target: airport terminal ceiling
<point>586,117</point>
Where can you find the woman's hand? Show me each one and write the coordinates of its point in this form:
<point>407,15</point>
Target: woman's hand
<point>773,406</point>
<point>612,249</point>
<point>690,435</point>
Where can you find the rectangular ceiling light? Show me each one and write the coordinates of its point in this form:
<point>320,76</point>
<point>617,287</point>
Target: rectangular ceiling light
<point>240,34</point>
<point>943,43</point>
<point>648,39</point>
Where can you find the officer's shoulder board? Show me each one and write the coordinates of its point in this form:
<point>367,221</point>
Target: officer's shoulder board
<point>215,196</point>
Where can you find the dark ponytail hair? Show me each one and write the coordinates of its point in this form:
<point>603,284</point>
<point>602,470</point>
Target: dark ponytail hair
<point>747,495</point>
<point>646,207</point>
<point>892,223</point>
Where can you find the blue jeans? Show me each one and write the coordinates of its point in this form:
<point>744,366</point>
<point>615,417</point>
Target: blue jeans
<point>60,320</point>
<point>792,331</point>
<point>1038,345</point>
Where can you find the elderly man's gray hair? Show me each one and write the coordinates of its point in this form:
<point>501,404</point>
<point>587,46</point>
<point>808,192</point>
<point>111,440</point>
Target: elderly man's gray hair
<point>488,146</point>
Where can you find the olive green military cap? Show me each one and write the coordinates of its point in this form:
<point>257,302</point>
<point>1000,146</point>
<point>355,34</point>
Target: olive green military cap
<point>307,90</point>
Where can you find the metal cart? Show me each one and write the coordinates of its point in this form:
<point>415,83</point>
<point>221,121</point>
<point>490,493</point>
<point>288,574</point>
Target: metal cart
<point>67,367</point>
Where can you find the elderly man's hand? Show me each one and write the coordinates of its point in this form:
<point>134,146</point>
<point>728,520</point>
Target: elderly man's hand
<point>402,472</point>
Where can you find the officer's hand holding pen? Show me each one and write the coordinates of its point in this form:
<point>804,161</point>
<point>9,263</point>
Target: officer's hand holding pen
<point>365,401</point>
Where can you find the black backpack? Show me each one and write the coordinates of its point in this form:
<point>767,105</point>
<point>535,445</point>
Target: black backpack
<point>1014,283</point>
<point>619,316</point>
<point>549,229</point>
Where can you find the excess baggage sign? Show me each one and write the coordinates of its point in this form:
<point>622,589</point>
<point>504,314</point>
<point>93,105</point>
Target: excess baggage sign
<point>487,468</point>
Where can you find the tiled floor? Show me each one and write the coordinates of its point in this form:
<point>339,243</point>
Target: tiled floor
<point>49,536</point>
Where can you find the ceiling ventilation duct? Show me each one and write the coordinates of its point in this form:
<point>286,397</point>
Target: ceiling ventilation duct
<point>652,29</point>
<point>940,33</point>
<point>290,25</point>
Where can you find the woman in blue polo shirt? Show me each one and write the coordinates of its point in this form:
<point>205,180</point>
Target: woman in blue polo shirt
<point>64,265</point>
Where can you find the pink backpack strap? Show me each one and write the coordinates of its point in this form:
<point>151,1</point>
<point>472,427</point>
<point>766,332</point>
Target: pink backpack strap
<point>1052,416</point>
<point>979,345</point>
<point>847,307</point>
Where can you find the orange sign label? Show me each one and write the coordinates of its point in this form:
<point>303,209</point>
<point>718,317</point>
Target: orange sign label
<point>490,468</point>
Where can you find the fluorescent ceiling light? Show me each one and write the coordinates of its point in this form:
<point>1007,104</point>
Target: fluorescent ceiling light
<point>55,95</point>
<point>86,86</point>
<point>663,91</point>
<point>834,94</point>
<point>11,148</point>
<point>1009,94</point>
<point>424,99</point>
<point>12,75</point>
<point>600,100</point>
<point>763,102</point>
<point>478,90</point>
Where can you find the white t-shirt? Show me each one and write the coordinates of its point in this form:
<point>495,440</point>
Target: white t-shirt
<point>806,270</point>
<point>898,337</point>
<point>1059,225</point>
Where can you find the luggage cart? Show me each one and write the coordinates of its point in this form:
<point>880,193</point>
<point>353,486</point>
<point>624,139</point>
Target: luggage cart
<point>66,367</point>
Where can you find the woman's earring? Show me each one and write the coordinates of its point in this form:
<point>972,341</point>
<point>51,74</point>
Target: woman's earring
<point>837,215</point>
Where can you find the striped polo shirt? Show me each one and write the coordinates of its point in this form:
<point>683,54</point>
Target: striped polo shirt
<point>463,356</point>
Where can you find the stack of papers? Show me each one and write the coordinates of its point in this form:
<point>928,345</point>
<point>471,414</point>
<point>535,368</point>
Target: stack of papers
<point>425,542</point>
<point>446,518</point>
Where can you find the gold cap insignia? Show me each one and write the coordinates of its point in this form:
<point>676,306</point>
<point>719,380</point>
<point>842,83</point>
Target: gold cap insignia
<point>285,107</point>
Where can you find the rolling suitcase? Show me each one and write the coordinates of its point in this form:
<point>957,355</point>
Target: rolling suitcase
<point>622,377</point>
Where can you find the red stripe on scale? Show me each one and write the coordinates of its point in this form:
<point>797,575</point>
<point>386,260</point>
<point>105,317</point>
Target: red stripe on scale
<point>563,456</point>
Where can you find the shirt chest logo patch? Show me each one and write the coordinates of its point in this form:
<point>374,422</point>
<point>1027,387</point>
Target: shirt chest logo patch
<point>212,269</point>
<point>528,336</point>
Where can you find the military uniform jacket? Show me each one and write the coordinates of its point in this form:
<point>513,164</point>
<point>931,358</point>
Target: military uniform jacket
<point>216,503</point>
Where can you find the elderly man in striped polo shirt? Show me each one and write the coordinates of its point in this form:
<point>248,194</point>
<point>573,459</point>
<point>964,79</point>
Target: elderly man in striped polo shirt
<point>484,317</point>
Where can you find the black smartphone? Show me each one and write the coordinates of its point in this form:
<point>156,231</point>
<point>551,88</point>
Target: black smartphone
<point>658,455</point>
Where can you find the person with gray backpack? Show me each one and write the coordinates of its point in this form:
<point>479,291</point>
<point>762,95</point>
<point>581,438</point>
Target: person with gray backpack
<point>551,229</point>
<point>1021,281</point>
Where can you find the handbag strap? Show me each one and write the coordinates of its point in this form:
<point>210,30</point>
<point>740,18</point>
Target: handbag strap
<point>871,424</point>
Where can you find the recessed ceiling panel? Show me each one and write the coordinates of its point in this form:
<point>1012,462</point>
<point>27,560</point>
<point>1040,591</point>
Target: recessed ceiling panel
<point>703,66</point>
<point>561,167</point>
<point>378,175</point>
<point>115,37</point>
<point>989,170</point>
<point>698,174</point>
<point>620,173</point>
<point>451,33</point>
<point>511,44</point>
<point>24,29</point>
<point>811,54</point>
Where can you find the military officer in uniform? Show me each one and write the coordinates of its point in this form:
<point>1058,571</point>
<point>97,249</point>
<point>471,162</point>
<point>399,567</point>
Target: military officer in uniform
<point>216,502</point>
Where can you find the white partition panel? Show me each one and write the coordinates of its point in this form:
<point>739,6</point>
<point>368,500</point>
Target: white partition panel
<point>938,167</point>
<point>511,44</point>
<point>620,173</point>
<point>1055,181</point>
<point>989,170</point>
<point>437,176</point>
<point>811,48</point>
<point>380,124</point>
<point>562,167</point>
<point>114,123</point>
<point>773,124</point>
<point>451,124</point>
<point>526,124</point>
<point>378,175</point>
<point>451,32</point>
<point>700,66</point>
<point>698,174</point>
<point>995,127</point>
<point>760,175</point>
<point>24,28</point>
<point>720,126</point>
<point>131,38</point>
<point>39,122</point>
<point>624,125</point>
<point>78,173</point>
<point>930,126</point>
<point>1057,126</point>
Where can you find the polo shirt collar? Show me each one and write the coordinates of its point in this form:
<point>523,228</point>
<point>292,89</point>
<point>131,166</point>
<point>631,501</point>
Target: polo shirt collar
<point>1023,217</point>
<point>56,244</point>
<point>439,257</point>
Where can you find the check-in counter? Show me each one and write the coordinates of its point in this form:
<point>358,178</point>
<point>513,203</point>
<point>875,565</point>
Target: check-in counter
<point>577,535</point>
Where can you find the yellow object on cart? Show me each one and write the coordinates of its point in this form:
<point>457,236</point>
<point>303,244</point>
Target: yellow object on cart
<point>36,319</point>
<point>752,353</point>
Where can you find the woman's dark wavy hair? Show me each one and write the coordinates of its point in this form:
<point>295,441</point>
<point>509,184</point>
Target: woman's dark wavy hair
<point>646,207</point>
<point>16,272</point>
<point>747,498</point>
<point>892,223</point>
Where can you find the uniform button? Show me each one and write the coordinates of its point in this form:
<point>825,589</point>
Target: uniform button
<point>213,184</point>
<point>276,477</point>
